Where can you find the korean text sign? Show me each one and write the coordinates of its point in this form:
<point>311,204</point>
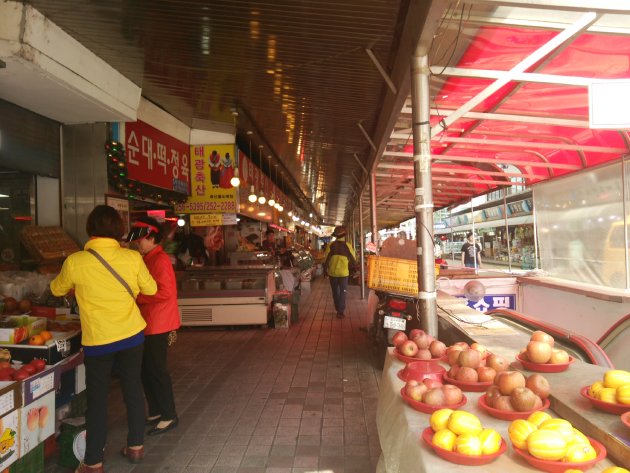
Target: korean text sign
<point>155,158</point>
<point>211,169</point>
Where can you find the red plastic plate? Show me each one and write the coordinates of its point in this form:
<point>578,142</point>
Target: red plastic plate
<point>460,458</point>
<point>625,418</point>
<point>478,387</point>
<point>605,406</point>
<point>508,415</point>
<point>410,359</point>
<point>559,466</point>
<point>545,367</point>
<point>421,370</point>
<point>427,409</point>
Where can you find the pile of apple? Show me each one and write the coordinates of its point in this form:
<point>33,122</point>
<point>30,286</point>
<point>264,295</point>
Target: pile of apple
<point>473,364</point>
<point>433,393</point>
<point>15,307</point>
<point>540,350</point>
<point>462,432</point>
<point>8,373</point>
<point>512,391</point>
<point>614,388</point>
<point>551,439</point>
<point>418,345</point>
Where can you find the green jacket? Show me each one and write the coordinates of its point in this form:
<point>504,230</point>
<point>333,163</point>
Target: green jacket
<point>337,262</point>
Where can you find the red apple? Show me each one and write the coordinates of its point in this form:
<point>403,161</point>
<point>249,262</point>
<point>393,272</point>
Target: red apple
<point>479,347</point>
<point>538,352</point>
<point>437,348</point>
<point>432,383</point>
<point>540,336</point>
<point>423,354</point>
<point>510,380</point>
<point>467,375</point>
<point>422,340</point>
<point>497,362</point>
<point>434,397</point>
<point>486,374</point>
<point>415,390</point>
<point>452,373</point>
<point>453,357</point>
<point>452,394</point>
<point>408,348</point>
<point>399,338</point>
<point>413,333</point>
<point>470,358</point>
<point>558,356</point>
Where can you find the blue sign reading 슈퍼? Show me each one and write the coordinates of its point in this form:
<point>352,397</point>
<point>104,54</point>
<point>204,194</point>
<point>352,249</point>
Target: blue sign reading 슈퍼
<point>496,301</point>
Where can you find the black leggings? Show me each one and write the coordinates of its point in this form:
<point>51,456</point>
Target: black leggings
<point>156,380</point>
<point>98,370</point>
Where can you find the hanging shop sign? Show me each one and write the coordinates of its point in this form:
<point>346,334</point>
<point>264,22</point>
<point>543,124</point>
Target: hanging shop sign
<point>122,206</point>
<point>211,169</point>
<point>205,220</point>
<point>520,207</point>
<point>155,158</point>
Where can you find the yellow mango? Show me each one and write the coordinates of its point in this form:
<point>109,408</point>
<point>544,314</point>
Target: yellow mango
<point>462,422</point>
<point>547,445</point>
<point>616,378</point>
<point>490,441</point>
<point>519,431</point>
<point>439,419</point>
<point>622,394</point>
<point>444,439</point>
<point>468,444</point>
<point>608,395</point>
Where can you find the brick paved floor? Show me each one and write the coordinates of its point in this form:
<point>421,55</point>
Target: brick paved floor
<point>265,400</point>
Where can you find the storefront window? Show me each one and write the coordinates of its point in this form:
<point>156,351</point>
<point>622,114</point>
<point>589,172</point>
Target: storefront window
<point>16,212</point>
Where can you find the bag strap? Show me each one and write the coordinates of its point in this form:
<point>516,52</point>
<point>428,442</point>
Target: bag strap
<point>112,270</point>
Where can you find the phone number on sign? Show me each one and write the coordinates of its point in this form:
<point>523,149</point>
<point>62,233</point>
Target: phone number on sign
<point>206,206</point>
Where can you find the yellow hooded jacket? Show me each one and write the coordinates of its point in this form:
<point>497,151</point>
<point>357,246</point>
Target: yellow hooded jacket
<point>108,312</point>
<point>338,263</point>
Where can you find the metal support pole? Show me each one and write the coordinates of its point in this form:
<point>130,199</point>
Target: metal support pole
<point>536,228</point>
<point>423,202</point>
<point>361,246</point>
<point>472,219</point>
<point>373,208</point>
<point>624,195</point>
<point>507,230</point>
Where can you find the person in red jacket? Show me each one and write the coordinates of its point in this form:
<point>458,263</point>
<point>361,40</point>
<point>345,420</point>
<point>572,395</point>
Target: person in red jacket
<point>161,314</point>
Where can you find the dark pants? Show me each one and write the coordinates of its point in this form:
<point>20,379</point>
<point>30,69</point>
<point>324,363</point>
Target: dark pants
<point>339,286</point>
<point>98,370</point>
<point>156,380</point>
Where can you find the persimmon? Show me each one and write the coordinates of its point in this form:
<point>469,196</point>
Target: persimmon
<point>36,340</point>
<point>46,335</point>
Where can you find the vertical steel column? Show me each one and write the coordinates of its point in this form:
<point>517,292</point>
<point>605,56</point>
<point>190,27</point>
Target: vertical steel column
<point>373,209</point>
<point>624,196</point>
<point>472,219</point>
<point>507,230</point>
<point>361,246</point>
<point>535,228</point>
<point>423,202</point>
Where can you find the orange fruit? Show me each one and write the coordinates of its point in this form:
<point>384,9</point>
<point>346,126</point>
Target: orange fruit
<point>36,340</point>
<point>46,335</point>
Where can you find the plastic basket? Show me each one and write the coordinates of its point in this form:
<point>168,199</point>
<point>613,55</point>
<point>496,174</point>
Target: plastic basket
<point>393,275</point>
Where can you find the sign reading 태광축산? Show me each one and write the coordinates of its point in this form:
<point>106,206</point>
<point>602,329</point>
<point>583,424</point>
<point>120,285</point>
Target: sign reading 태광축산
<point>207,220</point>
<point>155,158</point>
<point>211,169</point>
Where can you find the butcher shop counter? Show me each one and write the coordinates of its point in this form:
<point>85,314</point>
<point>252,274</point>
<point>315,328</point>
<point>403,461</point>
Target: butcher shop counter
<point>400,427</point>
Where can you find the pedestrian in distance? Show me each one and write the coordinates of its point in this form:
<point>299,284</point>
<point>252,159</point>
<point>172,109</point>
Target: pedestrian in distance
<point>471,252</point>
<point>340,263</point>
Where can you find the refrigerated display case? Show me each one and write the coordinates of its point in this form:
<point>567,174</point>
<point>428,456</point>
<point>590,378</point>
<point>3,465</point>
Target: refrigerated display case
<point>225,295</point>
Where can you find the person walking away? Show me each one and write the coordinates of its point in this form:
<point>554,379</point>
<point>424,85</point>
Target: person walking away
<point>106,279</point>
<point>161,314</point>
<point>340,261</point>
<point>471,252</point>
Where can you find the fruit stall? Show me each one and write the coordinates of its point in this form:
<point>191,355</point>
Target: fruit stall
<point>498,398</point>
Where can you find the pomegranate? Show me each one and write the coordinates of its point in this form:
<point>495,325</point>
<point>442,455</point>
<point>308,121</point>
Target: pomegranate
<point>24,306</point>
<point>10,305</point>
<point>38,364</point>
<point>30,369</point>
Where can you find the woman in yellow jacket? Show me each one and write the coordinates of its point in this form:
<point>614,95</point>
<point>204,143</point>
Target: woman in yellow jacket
<point>112,328</point>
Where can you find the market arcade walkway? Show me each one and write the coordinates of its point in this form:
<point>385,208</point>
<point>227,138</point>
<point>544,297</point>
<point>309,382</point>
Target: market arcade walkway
<point>267,401</point>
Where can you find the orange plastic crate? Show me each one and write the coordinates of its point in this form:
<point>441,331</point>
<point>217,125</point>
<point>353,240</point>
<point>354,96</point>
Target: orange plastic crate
<point>393,275</point>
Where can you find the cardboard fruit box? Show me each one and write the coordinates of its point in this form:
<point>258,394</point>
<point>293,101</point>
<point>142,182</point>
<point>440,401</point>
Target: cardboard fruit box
<point>26,327</point>
<point>62,345</point>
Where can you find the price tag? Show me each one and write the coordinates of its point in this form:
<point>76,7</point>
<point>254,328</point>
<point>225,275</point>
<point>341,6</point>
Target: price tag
<point>42,385</point>
<point>397,323</point>
<point>7,402</point>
